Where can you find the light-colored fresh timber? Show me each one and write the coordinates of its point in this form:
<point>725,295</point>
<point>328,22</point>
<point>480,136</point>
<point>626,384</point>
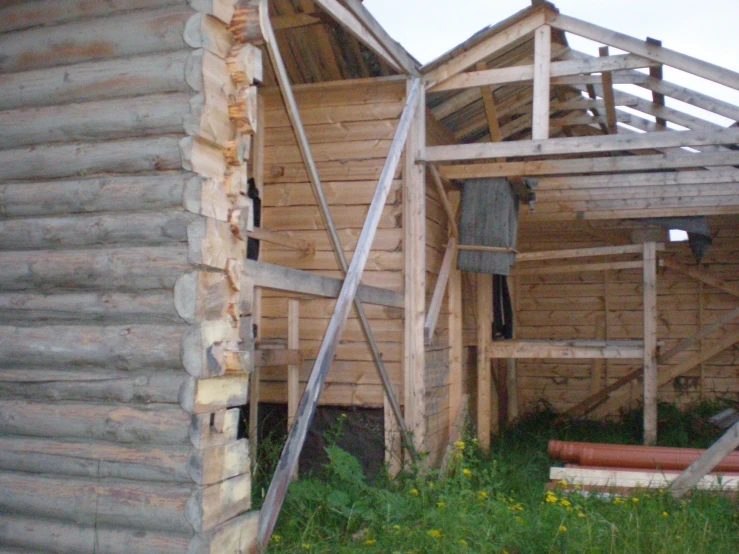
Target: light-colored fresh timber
<point>203,158</point>
<point>566,349</point>
<point>199,396</point>
<point>236,535</point>
<point>588,165</point>
<point>712,457</point>
<point>205,296</point>
<point>450,214</point>
<point>212,505</point>
<point>643,48</point>
<point>293,343</point>
<point>77,159</point>
<point>486,397</point>
<point>161,30</point>
<point>207,32</point>
<point>525,73</point>
<point>213,243</point>
<point>440,288</point>
<point>667,178</point>
<point>213,465</point>
<point>275,277</point>
<point>650,343</point>
<point>542,90</point>
<point>702,276</point>
<point>725,319</point>
<point>580,145</point>
<point>156,424</point>
<point>576,268</point>
<point>214,429</point>
<point>485,49</point>
<point>635,479</point>
<point>455,326</point>
<point>607,79</point>
<point>245,65</point>
<point>208,349</point>
<point>271,358</point>
<point>583,252</point>
<point>479,248</point>
<point>283,239</point>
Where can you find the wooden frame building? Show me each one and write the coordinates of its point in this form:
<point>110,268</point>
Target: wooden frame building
<point>146,144</point>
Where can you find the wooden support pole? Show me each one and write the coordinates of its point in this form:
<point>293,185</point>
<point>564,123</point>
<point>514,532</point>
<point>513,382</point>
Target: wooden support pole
<point>702,276</point>
<point>542,61</point>
<point>650,343</point>
<point>709,460</point>
<point>448,209</point>
<point>607,78</point>
<point>432,316</point>
<point>456,346</point>
<point>293,343</point>
<point>308,404</point>
<point>486,406</point>
<point>315,181</point>
<point>655,72</point>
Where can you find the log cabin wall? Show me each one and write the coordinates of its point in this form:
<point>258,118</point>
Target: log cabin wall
<point>122,215</point>
<point>608,304</point>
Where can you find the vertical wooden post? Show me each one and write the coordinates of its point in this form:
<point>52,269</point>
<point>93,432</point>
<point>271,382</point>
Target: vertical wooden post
<point>512,373</point>
<point>542,61</point>
<point>293,343</point>
<point>456,346</point>
<point>485,408</point>
<point>414,248</point>
<point>650,343</point>
<point>607,80</point>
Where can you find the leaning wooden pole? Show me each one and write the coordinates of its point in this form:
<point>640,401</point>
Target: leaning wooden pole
<point>309,402</point>
<point>312,171</point>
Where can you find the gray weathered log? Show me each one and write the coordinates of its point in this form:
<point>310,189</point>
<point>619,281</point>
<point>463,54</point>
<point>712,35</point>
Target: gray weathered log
<point>63,537</point>
<point>216,429</point>
<point>146,505</point>
<point>212,505</point>
<point>179,71</point>
<point>236,535</point>
<point>79,231</point>
<point>95,385</point>
<point>89,307</point>
<point>157,423</point>
<point>120,118</point>
<point>213,465</point>
<point>199,396</point>
<point>122,269</point>
<point>96,459</point>
<point>105,194</point>
<point>129,348</point>
<point>72,159</point>
<point>205,296</point>
<point>23,15</point>
<point>127,34</point>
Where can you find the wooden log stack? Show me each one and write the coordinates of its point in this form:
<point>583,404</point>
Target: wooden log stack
<point>125,333</point>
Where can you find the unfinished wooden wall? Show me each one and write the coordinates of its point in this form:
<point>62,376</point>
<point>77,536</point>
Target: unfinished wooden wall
<point>350,125</point>
<point>121,177</point>
<point>599,305</point>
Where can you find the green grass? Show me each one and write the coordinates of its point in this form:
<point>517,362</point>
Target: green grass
<point>498,503</point>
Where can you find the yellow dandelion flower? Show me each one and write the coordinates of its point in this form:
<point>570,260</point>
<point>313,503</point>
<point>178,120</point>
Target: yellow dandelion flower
<point>580,514</point>
<point>566,503</point>
<point>551,498</point>
<point>396,527</point>
<point>665,514</point>
<point>463,543</point>
<point>276,538</point>
<point>618,501</point>
<point>466,472</point>
<point>562,529</point>
<point>483,495</point>
<point>370,542</point>
<point>635,500</point>
<point>578,487</point>
<point>459,445</point>
<point>306,546</point>
<point>435,533</point>
<point>441,505</point>
<point>415,492</point>
<point>516,508</point>
<point>562,483</point>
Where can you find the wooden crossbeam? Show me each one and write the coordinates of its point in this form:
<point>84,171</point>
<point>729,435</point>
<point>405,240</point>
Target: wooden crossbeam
<point>715,282</point>
<point>565,349</point>
<point>653,52</point>
<point>653,179</point>
<point>577,268</point>
<point>617,164</point>
<point>483,77</point>
<point>579,145</point>
<point>607,79</point>
<point>306,410</point>
<point>656,72</point>
<point>450,215</point>
<point>438,297</point>
<point>582,252</point>
<point>542,88</point>
<point>275,237</point>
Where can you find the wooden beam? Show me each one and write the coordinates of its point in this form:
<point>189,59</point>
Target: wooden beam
<point>589,165</point>
<point>306,410</point>
<point>577,268</point>
<point>320,196</point>
<point>491,111</point>
<point>399,54</point>
<point>580,145</point>
<point>715,282</point>
<point>634,479</point>
<point>659,54</point>
<point>542,90</point>
<point>486,405</point>
<point>455,324</point>
<point>651,179</point>
<point>706,463</point>
<point>276,277</point>
<point>582,252</point>
<point>690,341</point>
<point>656,73</point>
<point>293,343</point>
<point>607,79</point>
<point>479,248</point>
<point>275,237</point>
<point>347,19</point>
<point>617,79</point>
<point>650,343</point>
<point>486,48</point>
<point>484,77</point>
<point>271,358</point>
<point>451,216</point>
<point>579,349</point>
<point>439,290</point>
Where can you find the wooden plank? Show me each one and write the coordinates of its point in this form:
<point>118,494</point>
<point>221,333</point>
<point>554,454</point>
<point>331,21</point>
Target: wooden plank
<point>577,268</point>
<point>439,290</point>
<point>705,331</point>
<point>270,358</point>
<point>293,343</point>
<point>712,457</point>
<point>450,214</point>
<point>454,324</point>
<point>479,248</point>
<point>282,239</point>
<point>534,349</point>
<point>702,276</point>
<point>583,252</point>
<point>581,145</point>
<point>650,343</point>
<point>607,79</point>
<point>642,48</point>
<point>296,438</point>
<point>589,165</point>
<point>275,277</point>
<point>484,77</point>
<point>486,403</point>
<point>542,91</point>
<point>634,479</point>
<point>492,44</point>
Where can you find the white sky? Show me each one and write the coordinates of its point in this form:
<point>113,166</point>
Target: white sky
<point>705,29</point>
